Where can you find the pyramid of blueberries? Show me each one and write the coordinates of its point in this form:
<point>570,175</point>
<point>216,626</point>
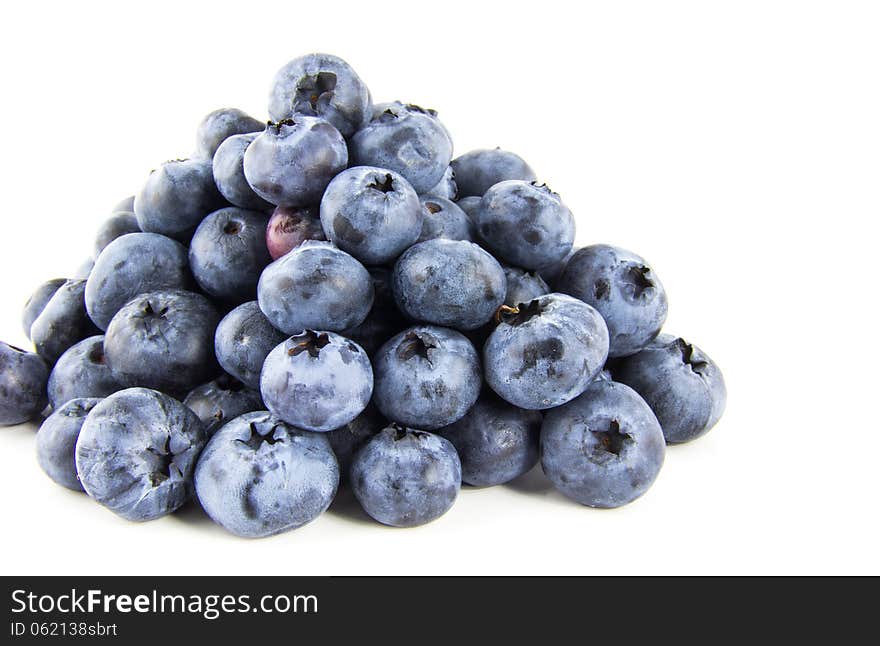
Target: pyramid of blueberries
<point>331,299</point>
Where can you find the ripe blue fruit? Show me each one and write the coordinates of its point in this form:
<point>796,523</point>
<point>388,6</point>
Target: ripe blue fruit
<point>56,441</point>
<point>136,453</point>
<point>371,213</point>
<point>407,139</point>
<point>444,219</point>
<point>63,322</point>
<point>496,441</point>
<point>478,170</point>
<point>176,196</point>
<point>116,226</point>
<point>228,253</point>
<point>545,352</point>
<point>525,223</point>
<point>404,477</point>
<point>243,339</point>
<point>321,85</point>
<point>317,381</point>
<point>315,286</point>
<point>427,375</point>
<point>82,372</point>
<point>625,291</point>
<point>221,124</point>
<point>259,476</point>
<point>37,302</point>
<point>227,167</point>
<point>445,188</point>
<point>681,384</point>
<point>130,265</point>
<point>453,283</point>
<point>523,286</point>
<point>221,400</point>
<point>291,162</point>
<point>163,340</point>
<point>603,449</point>
<point>23,377</point>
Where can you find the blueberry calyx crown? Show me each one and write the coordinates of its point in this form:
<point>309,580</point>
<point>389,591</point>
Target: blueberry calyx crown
<point>261,435</point>
<point>415,344</point>
<point>232,227</point>
<point>401,432</point>
<point>311,88</point>
<point>638,276</point>
<point>278,125</point>
<point>519,314</point>
<point>166,463</point>
<point>309,341</point>
<point>384,185</point>
<point>149,310</point>
<point>542,186</point>
<point>612,440</point>
<point>687,356</point>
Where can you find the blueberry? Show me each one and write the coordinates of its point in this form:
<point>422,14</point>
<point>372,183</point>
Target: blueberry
<point>682,385</point>
<point>447,188</point>
<point>545,352</point>
<point>525,223</point>
<point>136,453</point>
<point>496,442</point>
<point>603,449</point>
<point>523,286</point>
<point>116,226</point>
<point>221,124</point>
<point>625,291</point>
<point>37,302</point>
<point>289,227</point>
<point>56,441</point>
<point>315,286</point>
<point>228,253</point>
<point>551,272</point>
<point>349,438</point>
<point>243,339</point>
<point>406,139</point>
<point>82,372</point>
<point>470,205</point>
<point>131,265</point>
<point>221,400</point>
<point>448,282</point>
<point>427,375</point>
<point>371,213</point>
<point>63,322</point>
<point>227,167</point>
<point>317,381</point>
<point>291,162</point>
<point>444,219</point>
<point>176,197</point>
<point>478,170</point>
<point>384,319</point>
<point>404,477</point>
<point>23,377</point>
<point>163,340</point>
<point>124,206</point>
<point>259,476</point>
<point>324,86</point>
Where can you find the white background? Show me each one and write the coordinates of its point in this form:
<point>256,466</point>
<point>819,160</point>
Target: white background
<point>735,145</point>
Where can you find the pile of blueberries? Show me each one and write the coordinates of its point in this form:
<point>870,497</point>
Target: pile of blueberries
<point>332,298</point>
